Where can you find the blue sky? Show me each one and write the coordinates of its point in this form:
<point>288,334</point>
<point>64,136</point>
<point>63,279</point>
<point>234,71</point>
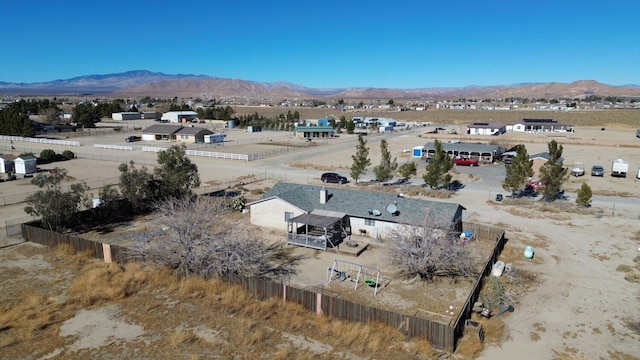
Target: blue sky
<point>323,44</point>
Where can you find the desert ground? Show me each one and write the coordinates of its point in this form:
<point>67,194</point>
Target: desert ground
<point>582,299</point>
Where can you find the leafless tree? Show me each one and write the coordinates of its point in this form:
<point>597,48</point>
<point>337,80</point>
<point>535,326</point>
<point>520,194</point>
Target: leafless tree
<point>430,251</point>
<point>198,236</point>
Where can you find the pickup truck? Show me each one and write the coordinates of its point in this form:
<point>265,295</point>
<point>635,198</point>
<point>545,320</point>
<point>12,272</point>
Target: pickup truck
<point>464,161</point>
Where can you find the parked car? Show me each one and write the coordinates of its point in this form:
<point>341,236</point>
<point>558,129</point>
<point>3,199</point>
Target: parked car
<point>528,191</point>
<point>597,170</point>
<point>133,138</point>
<point>465,161</point>
<point>333,178</point>
<point>537,184</point>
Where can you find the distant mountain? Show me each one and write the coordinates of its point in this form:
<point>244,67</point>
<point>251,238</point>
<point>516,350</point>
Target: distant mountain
<point>141,83</point>
<point>91,84</point>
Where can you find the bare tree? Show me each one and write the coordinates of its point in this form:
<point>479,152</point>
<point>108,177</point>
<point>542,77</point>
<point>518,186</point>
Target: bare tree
<point>430,251</point>
<point>199,237</point>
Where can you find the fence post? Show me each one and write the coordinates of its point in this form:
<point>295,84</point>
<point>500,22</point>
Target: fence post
<point>318,304</point>
<point>106,250</point>
<point>284,294</point>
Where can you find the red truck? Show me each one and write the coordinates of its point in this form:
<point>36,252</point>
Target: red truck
<point>465,161</point>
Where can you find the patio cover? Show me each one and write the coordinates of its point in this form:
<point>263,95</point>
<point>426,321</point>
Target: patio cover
<point>319,218</point>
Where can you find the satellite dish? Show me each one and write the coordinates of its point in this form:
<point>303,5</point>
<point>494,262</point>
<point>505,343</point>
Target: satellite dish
<point>392,209</point>
<point>376,212</point>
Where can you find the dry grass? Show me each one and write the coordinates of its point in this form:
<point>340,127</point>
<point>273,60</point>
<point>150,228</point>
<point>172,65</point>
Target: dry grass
<point>627,118</point>
<point>171,309</point>
<point>469,345</point>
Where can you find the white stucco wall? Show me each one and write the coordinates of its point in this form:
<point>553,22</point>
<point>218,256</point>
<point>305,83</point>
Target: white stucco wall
<point>379,229</point>
<point>270,213</point>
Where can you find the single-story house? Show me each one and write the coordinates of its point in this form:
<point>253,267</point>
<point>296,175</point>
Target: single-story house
<point>180,116</point>
<point>539,125</point>
<point>192,134</point>
<point>330,214</point>
<point>7,164</point>
<point>161,133</point>
<point>481,152</point>
<point>309,132</point>
<point>540,159</point>
<point>486,128</point>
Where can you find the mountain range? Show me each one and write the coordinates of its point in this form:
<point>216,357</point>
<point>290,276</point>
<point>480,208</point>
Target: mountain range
<point>140,83</point>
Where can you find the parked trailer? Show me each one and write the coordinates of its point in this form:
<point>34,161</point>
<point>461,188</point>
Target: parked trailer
<point>577,169</point>
<point>619,168</point>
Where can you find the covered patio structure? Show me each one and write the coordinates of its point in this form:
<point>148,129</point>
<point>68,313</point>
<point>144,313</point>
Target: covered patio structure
<point>318,229</point>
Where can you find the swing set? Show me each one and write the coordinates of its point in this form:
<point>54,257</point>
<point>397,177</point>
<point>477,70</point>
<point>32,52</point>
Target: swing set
<point>343,270</point>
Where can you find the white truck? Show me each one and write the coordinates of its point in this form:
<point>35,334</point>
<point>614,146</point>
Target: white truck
<point>619,168</point>
<point>577,169</point>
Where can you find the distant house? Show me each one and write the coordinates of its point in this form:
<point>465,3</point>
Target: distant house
<point>539,125</point>
<point>186,134</point>
<point>310,132</point>
<point>486,128</point>
<point>539,160</point>
<point>192,134</point>
<point>302,209</point>
<point>161,133</point>
<point>179,116</point>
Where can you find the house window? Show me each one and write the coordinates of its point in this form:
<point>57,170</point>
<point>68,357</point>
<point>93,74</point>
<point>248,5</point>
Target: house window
<point>369,222</point>
<point>184,137</point>
<point>287,216</point>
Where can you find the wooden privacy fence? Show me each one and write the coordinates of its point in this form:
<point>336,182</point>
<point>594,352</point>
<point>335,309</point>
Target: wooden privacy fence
<point>54,239</point>
<point>441,336</point>
<point>500,240</point>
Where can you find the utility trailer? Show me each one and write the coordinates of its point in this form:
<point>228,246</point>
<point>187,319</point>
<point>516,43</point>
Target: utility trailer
<point>619,168</point>
<point>577,169</point>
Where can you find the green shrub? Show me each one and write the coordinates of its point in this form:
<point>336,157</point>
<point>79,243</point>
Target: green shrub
<point>47,156</point>
<point>68,155</point>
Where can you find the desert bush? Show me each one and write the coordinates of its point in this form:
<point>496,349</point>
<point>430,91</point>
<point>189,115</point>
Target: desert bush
<point>47,156</point>
<point>430,251</point>
<point>201,239</point>
<point>68,155</point>
<point>492,292</point>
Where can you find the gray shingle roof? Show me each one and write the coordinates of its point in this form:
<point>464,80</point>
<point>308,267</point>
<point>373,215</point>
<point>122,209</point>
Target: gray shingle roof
<point>162,129</point>
<point>193,131</point>
<point>543,155</point>
<point>358,203</point>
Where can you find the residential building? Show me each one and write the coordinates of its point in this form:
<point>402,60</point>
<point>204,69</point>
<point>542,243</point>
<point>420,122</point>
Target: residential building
<point>295,208</point>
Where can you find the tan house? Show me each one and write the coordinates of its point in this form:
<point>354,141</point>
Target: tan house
<point>186,134</point>
<point>192,134</point>
<point>539,160</point>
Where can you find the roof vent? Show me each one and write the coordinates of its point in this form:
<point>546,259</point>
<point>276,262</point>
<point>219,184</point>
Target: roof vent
<point>376,212</point>
<point>392,209</point>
